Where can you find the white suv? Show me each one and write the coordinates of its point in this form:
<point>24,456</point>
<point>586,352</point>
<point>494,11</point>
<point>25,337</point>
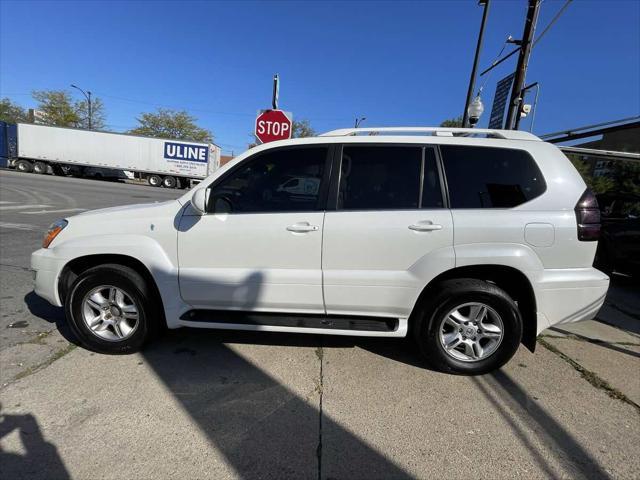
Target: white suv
<point>471,241</point>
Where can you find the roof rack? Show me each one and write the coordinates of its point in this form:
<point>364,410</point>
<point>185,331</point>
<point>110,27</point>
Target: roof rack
<point>435,131</point>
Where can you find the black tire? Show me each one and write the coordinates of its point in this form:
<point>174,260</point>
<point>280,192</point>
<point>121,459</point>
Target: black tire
<point>154,180</point>
<point>449,295</point>
<point>24,166</point>
<point>40,168</point>
<point>169,182</point>
<point>57,170</point>
<point>150,317</point>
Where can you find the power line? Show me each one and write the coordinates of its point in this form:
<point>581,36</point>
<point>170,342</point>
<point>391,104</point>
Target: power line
<point>553,20</point>
<point>516,50</point>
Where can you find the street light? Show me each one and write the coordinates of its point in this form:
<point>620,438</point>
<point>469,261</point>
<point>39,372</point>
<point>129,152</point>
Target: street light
<point>474,112</point>
<point>472,80</point>
<point>87,95</point>
<point>359,121</point>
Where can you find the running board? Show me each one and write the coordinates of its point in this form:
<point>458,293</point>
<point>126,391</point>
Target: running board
<point>328,322</point>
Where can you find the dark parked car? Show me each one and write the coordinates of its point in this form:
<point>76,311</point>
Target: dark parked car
<point>619,247</point>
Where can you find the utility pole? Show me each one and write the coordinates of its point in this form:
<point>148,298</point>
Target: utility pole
<point>523,62</point>
<point>472,79</point>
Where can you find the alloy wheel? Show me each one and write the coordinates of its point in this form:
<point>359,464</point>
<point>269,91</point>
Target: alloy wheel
<point>110,313</point>
<point>471,332</point>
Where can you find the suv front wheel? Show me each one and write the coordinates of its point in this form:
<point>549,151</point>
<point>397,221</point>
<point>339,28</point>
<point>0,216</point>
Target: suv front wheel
<point>111,309</point>
<point>468,326</point>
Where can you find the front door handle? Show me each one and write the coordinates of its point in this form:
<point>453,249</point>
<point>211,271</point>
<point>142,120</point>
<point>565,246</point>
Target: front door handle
<point>426,226</point>
<point>302,227</point>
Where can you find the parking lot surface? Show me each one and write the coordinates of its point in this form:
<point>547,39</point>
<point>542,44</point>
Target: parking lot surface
<point>214,404</point>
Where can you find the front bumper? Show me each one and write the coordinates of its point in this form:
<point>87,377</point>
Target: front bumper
<point>46,269</point>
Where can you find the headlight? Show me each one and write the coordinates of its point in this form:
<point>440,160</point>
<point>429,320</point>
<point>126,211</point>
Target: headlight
<point>52,232</point>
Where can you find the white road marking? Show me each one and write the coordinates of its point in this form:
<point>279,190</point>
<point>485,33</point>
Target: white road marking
<point>4,203</point>
<point>19,226</point>
<point>22,207</point>
<point>40,212</point>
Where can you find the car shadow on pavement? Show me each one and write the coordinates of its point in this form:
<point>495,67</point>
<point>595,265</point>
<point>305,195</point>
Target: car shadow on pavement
<point>40,308</point>
<point>499,389</point>
<point>263,428</point>
<point>41,458</point>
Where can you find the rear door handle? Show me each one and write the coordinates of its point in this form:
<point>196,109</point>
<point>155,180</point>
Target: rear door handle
<point>302,227</point>
<point>427,226</point>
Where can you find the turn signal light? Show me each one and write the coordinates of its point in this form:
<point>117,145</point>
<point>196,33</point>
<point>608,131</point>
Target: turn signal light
<point>52,232</point>
<point>588,217</point>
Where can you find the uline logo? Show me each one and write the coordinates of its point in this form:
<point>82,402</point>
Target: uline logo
<point>184,151</point>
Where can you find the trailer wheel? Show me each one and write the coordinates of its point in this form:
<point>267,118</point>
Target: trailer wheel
<point>24,166</point>
<point>154,180</point>
<point>57,170</point>
<point>169,182</point>
<point>40,168</point>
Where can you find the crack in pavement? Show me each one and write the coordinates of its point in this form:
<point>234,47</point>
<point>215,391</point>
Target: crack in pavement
<point>320,355</point>
<point>58,354</point>
<point>590,376</point>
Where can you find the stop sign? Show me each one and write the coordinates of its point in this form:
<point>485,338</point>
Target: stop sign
<point>272,125</point>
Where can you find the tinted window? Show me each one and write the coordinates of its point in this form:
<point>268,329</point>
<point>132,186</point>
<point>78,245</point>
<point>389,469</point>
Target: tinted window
<point>285,180</point>
<point>484,177</point>
<point>380,177</point>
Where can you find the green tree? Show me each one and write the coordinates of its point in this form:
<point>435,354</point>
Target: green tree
<point>171,124</point>
<point>98,119</point>
<point>12,112</point>
<point>60,110</point>
<point>302,128</point>
<point>452,122</point>
<point>596,184</point>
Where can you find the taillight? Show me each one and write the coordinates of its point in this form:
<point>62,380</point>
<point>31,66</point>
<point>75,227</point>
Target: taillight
<point>588,217</point>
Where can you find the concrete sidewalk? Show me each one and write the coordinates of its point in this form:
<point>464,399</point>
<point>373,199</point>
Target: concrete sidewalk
<point>203,404</point>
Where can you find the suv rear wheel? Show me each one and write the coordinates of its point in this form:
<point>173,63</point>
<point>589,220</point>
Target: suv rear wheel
<point>111,309</point>
<point>468,326</point>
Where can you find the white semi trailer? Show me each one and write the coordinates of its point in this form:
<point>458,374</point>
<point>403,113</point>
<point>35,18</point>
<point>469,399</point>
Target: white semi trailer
<point>161,162</point>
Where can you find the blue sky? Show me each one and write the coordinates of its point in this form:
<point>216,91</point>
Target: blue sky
<point>397,63</point>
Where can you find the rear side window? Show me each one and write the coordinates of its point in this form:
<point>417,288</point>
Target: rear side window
<point>388,178</point>
<point>486,177</point>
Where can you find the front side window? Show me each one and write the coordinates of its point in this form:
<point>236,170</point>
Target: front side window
<point>487,177</point>
<point>283,180</point>
<point>387,178</point>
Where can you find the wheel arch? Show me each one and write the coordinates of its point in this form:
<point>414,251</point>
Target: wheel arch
<point>510,279</point>
<point>78,265</point>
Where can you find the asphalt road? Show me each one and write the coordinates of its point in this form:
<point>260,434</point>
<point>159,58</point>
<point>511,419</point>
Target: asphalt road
<point>209,404</point>
<point>28,205</point>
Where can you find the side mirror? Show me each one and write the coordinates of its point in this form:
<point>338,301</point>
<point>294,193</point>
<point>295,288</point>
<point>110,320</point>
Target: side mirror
<point>199,200</point>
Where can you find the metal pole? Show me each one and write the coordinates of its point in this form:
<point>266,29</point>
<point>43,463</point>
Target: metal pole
<point>276,91</point>
<point>535,105</point>
<point>523,94</point>
<point>523,62</point>
<point>88,97</point>
<point>90,111</point>
<point>472,79</point>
